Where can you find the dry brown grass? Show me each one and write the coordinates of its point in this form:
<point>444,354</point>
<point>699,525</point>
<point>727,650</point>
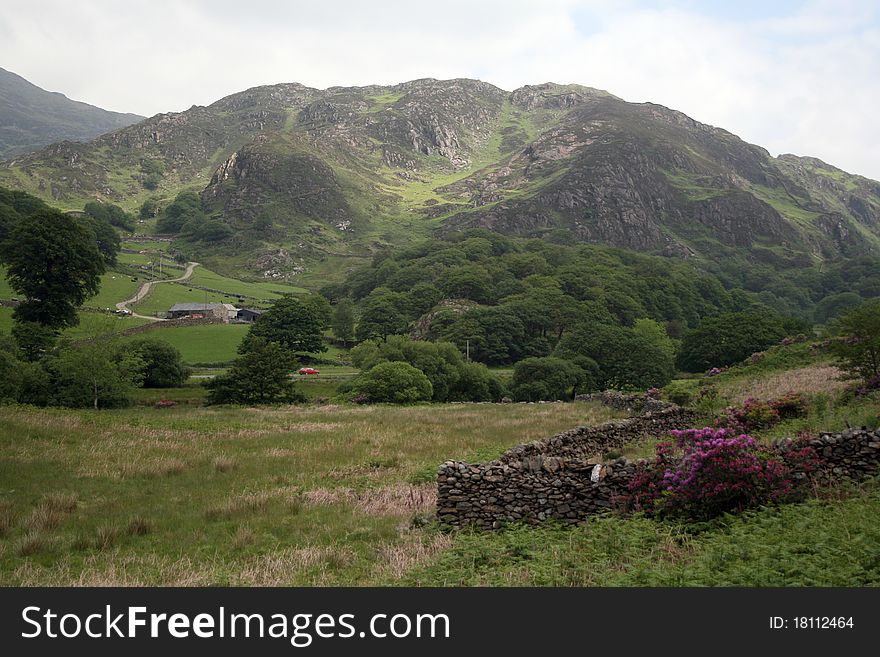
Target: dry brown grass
<point>43,518</point>
<point>395,500</point>
<point>255,503</point>
<point>33,542</point>
<point>117,569</point>
<point>282,567</point>
<point>398,559</point>
<point>808,380</point>
<point>149,468</point>
<point>223,464</point>
<point>244,536</point>
<point>62,502</point>
<point>139,526</point>
<point>106,537</point>
<point>8,518</point>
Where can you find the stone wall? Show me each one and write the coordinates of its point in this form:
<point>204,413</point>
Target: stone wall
<point>563,477</point>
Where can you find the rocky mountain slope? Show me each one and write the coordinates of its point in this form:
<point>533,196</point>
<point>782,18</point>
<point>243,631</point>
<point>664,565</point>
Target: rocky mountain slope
<point>31,117</point>
<point>313,174</point>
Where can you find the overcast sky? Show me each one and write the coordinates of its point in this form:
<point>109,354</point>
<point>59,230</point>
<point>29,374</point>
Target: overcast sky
<point>792,76</point>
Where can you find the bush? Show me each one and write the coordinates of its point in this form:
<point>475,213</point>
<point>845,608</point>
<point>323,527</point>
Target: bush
<point>89,377</point>
<point>543,379</point>
<point>163,364</point>
<point>707,472</point>
<point>395,383</point>
<point>755,415</point>
<point>790,406</point>
<point>626,360</point>
<point>451,377</point>
<point>680,394</point>
<point>261,375</point>
<point>858,350</point>
<point>728,339</point>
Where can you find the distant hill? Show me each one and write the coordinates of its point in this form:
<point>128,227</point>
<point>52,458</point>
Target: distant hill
<point>293,178</point>
<point>31,118</point>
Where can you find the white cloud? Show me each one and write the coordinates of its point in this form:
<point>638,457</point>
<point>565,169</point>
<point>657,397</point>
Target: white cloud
<point>807,83</point>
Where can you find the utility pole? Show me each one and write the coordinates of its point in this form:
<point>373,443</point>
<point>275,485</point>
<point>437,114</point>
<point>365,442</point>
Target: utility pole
<point>468,349</point>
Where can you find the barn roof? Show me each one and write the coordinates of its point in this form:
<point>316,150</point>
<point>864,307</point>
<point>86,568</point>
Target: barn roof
<point>192,307</point>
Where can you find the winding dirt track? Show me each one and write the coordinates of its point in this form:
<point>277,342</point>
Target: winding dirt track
<point>144,290</point>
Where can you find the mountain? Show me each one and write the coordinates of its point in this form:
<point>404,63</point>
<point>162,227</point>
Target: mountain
<point>302,176</point>
<point>31,117</point>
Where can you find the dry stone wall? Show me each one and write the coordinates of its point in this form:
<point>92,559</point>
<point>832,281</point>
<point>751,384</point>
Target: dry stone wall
<point>564,478</point>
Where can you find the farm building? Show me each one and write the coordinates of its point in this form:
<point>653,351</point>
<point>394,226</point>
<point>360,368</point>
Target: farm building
<point>224,311</point>
<point>248,315</point>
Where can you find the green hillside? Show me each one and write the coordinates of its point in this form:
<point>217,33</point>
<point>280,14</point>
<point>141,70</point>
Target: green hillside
<point>298,183</point>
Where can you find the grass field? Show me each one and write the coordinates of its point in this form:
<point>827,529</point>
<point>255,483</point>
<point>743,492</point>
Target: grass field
<point>292,495</point>
<point>115,287</point>
<point>262,290</point>
<point>6,292</point>
<point>207,343</point>
<point>344,494</point>
<point>5,319</point>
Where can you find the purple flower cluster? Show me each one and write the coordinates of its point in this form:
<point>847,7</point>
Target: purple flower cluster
<point>703,473</point>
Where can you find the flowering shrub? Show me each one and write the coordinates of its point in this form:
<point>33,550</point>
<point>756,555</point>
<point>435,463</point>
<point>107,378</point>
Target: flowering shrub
<point>706,472</point>
<point>755,415</point>
<point>791,405</point>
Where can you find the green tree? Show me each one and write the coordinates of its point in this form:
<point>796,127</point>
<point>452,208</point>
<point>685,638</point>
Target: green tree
<point>261,375</point>
<point>89,376</point>
<point>112,214</point>
<point>343,320</point>
<point>21,382</point>
<point>727,339</point>
<point>149,209</point>
<point>624,358</point>
<point>543,379</point>
<point>381,316</point>
<point>452,379</point>
<point>395,383</point>
<point>835,305</point>
<point>858,349</point>
<point>163,364</point>
<point>291,324</point>
<point>54,262</point>
<point>653,332</point>
<point>106,238</point>
<point>319,307</point>
<point>186,207</point>
<point>33,339</point>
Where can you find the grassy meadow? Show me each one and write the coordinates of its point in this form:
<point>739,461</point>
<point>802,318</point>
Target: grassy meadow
<point>289,495</point>
<point>344,495</point>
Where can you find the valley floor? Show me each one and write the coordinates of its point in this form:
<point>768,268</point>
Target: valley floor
<point>344,495</point>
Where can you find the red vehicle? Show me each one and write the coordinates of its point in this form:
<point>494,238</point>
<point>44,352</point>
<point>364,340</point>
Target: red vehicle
<point>309,370</point>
